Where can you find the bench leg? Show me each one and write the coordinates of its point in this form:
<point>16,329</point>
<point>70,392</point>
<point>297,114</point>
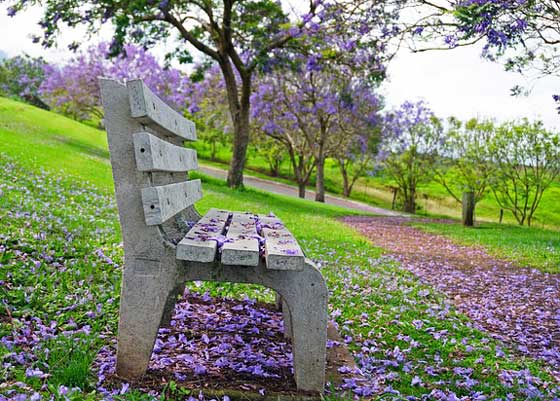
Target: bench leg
<point>278,302</point>
<point>287,319</point>
<point>308,311</point>
<point>282,306</point>
<point>170,304</point>
<point>146,289</point>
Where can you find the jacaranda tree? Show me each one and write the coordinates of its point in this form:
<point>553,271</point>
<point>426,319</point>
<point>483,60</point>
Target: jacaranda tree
<point>309,111</point>
<point>412,136</point>
<point>20,77</point>
<point>359,124</point>
<point>332,68</point>
<point>73,88</point>
<point>237,35</point>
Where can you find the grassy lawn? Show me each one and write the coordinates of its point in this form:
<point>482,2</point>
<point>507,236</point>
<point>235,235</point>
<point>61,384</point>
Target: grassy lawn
<point>526,246</point>
<point>432,198</point>
<point>60,259</point>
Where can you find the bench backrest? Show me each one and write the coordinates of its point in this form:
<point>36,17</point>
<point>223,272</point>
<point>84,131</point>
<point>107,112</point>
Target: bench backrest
<point>148,159</point>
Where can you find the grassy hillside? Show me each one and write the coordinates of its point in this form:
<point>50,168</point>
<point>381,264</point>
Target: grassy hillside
<point>60,280</point>
<point>39,137</point>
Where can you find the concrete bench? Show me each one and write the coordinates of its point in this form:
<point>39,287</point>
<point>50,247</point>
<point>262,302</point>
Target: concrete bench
<point>167,243</point>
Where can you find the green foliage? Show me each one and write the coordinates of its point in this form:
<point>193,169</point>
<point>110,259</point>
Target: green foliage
<point>464,164</point>
<point>271,150</point>
<point>69,360</point>
<point>527,161</point>
<point>21,77</point>
<point>411,157</point>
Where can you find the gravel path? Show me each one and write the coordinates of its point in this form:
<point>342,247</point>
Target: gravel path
<point>517,305</point>
<point>289,190</point>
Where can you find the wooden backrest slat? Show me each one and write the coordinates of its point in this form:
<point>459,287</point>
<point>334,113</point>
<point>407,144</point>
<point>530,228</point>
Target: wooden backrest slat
<point>165,201</point>
<point>201,242</point>
<point>242,247</point>
<point>154,154</point>
<point>149,109</point>
<point>281,250</point>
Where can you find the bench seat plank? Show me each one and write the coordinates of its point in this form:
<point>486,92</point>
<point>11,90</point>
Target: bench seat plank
<point>242,246</point>
<point>201,242</point>
<point>149,109</point>
<point>281,251</point>
<point>165,201</point>
<point>154,154</point>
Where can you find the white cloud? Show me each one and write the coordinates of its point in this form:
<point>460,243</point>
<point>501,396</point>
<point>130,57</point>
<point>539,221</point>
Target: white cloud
<point>459,83</point>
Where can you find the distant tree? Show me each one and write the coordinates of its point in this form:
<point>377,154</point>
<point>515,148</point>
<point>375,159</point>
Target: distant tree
<point>311,112</point>
<point>527,160</point>
<point>359,123</point>
<point>276,112</point>
<point>464,164</point>
<point>208,106</point>
<point>73,88</point>
<point>269,149</point>
<point>21,76</point>
<point>412,136</point>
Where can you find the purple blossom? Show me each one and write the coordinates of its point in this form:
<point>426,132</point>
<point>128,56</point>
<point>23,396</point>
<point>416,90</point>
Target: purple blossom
<point>73,88</point>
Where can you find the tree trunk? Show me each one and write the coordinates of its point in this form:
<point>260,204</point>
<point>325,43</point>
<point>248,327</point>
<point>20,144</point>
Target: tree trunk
<point>213,151</point>
<point>301,190</point>
<point>239,108</point>
<point>240,140</point>
<point>468,209</point>
<point>320,181</point>
<point>410,202</point>
<point>275,168</point>
<point>346,188</point>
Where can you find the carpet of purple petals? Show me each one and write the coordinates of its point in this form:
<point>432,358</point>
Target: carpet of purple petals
<point>59,285</point>
<point>215,342</point>
<point>516,305</point>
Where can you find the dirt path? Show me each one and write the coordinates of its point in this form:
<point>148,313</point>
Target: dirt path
<point>517,305</point>
<point>289,190</point>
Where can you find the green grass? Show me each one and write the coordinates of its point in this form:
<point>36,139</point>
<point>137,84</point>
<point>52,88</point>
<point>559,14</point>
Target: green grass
<point>60,255</point>
<point>525,246</point>
<point>432,199</point>
<point>36,137</point>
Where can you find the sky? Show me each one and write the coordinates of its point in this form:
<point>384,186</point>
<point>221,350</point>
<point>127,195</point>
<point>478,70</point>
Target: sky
<point>454,82</point>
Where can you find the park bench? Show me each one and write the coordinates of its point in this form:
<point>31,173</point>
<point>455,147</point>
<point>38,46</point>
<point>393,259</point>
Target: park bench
<point>167,243</point>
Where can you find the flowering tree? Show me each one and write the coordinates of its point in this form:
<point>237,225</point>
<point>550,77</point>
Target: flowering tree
<point>314,88</point>
<point>208,107</point>
<point>310,111</point>
<point>359,124</point>
<point>237,35</point>
<point>274,112</point>
<point>464,164</point>
<point>527,160</point>
<point>412,136</point>
<point>21,77</point>
<point>74,90</point>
